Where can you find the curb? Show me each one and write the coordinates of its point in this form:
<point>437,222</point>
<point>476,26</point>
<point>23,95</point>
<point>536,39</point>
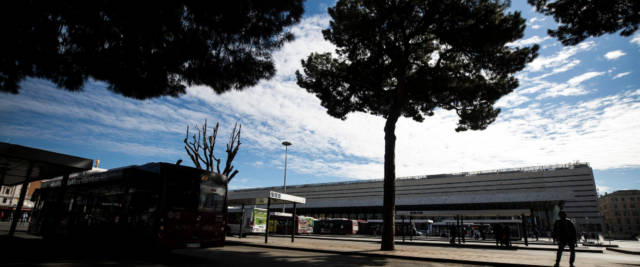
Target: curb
<point>414,258</point>
<point>478,246</point>
<point>624,251</point>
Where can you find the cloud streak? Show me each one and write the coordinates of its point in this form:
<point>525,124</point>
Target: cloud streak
<point>612,55</point>
<point>542,122</point>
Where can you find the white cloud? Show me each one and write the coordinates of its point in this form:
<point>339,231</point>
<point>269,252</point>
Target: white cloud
<point>635,39</point>
<point>308,37</point>
<point>614,54</point>
<point>137,148</point>
<point>566,67</point>
<point>563,90</point>
<point>535,27</point>
<point>512,100</point>
<point>529,41</point>
<point>536,19</point>
<point>583,77</point>
<point>563,68</point>
<point>573,86</point>
<point>560,58</point>
<point>602,131</point>
<point>620,75</point>
<point>603,189</point>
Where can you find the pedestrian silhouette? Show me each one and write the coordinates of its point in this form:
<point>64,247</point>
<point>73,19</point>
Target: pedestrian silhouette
<point>453,233</point>
<point>506,236</point>
<point>463,234</point>
<point>565,233</point>
<point>497,232</point>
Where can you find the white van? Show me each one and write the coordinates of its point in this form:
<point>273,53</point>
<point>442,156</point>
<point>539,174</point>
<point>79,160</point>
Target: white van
<point>255,220</point>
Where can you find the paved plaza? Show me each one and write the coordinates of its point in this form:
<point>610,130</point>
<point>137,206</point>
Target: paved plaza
<point>490,256</point>
<point>315,250</point>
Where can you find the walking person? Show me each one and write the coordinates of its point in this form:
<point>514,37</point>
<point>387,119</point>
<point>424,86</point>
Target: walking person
<point>453,232</point>
<point>497,232</point>
<point>463,234</point>
<point>565,233</point>
<point>506,238</point>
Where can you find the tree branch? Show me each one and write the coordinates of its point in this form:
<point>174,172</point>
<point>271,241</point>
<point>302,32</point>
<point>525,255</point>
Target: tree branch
<point>201,149</point>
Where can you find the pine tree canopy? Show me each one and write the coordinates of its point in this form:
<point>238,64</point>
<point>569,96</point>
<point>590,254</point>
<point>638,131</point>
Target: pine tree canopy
<point>580,19</point>
<point>143,49</point>
<point>412,57</point>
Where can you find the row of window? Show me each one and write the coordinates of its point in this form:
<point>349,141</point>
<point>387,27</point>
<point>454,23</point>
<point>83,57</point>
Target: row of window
<point>627,213</point>
<point>624,206</point>
<point>622,198</point>
<point>627,220</point>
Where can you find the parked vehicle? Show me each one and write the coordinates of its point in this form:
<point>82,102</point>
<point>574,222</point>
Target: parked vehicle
<point>163,204</point>
<point>255,220</point>
<point>336,226</point>
<point>374,227</point>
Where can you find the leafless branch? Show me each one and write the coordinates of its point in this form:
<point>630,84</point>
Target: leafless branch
<point>201,149</point>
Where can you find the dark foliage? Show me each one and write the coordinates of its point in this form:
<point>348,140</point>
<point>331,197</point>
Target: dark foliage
<point>407,58</point>
<point>143,49</point>
<point>580,19</point>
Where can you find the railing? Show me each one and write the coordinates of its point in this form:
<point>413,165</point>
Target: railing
<point>505,170</point>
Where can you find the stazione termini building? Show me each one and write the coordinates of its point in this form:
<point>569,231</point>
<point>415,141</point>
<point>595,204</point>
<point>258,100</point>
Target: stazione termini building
<point>533,195</point>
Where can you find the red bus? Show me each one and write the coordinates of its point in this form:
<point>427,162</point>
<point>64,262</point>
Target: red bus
<point>164,204</point>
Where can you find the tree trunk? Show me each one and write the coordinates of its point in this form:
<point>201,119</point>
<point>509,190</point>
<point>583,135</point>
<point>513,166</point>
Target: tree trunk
<point>389,208</point>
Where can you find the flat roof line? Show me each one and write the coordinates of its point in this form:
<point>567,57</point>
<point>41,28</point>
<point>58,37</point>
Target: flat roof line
<point>539,168</point>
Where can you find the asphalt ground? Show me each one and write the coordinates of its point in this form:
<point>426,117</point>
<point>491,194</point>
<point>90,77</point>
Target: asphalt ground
<point>442,254</point>
<point>38,252</point>
<point>26,250</point>
<point>260,256</point>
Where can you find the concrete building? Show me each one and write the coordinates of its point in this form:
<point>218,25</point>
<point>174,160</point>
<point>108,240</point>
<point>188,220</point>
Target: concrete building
<point>621,210</point>
<point>538,193</point>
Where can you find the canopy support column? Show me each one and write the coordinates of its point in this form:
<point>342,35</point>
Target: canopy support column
<point>266,231</point>
<point>17,214</point>
<point>524,230</point>
<point>241,221</point>
<point>403,229</point>
<point>294,225</point>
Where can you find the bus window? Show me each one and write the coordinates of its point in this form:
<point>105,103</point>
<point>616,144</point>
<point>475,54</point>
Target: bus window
<point>211,197</point>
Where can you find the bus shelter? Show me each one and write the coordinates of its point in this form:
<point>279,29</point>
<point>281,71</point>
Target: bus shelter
<point>459,216</point>
<point>23,165</point>
<point>273,198</point>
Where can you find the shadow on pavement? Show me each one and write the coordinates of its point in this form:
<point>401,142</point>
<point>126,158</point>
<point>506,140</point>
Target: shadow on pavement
<point>28,252</point>
<point>20,251</point>
<point>237,255</point>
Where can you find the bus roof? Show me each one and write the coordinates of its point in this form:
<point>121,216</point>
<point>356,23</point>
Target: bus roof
<point>112,174</point>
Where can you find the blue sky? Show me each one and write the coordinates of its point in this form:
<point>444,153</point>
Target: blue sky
<point>578,103</point>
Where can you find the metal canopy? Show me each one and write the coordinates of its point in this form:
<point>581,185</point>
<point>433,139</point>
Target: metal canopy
<point>15,161</point>
<point>272,197</point>
<point>276,198</point>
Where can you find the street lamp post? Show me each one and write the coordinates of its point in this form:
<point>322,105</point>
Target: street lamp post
<point>286,145</point>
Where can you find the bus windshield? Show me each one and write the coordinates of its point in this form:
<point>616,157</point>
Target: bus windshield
<point>211,196</point>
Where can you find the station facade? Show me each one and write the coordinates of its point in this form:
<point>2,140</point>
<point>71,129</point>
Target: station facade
<point>537,193</point>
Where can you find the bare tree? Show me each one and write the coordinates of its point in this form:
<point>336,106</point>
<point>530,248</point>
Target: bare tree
<point>200,148</point>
